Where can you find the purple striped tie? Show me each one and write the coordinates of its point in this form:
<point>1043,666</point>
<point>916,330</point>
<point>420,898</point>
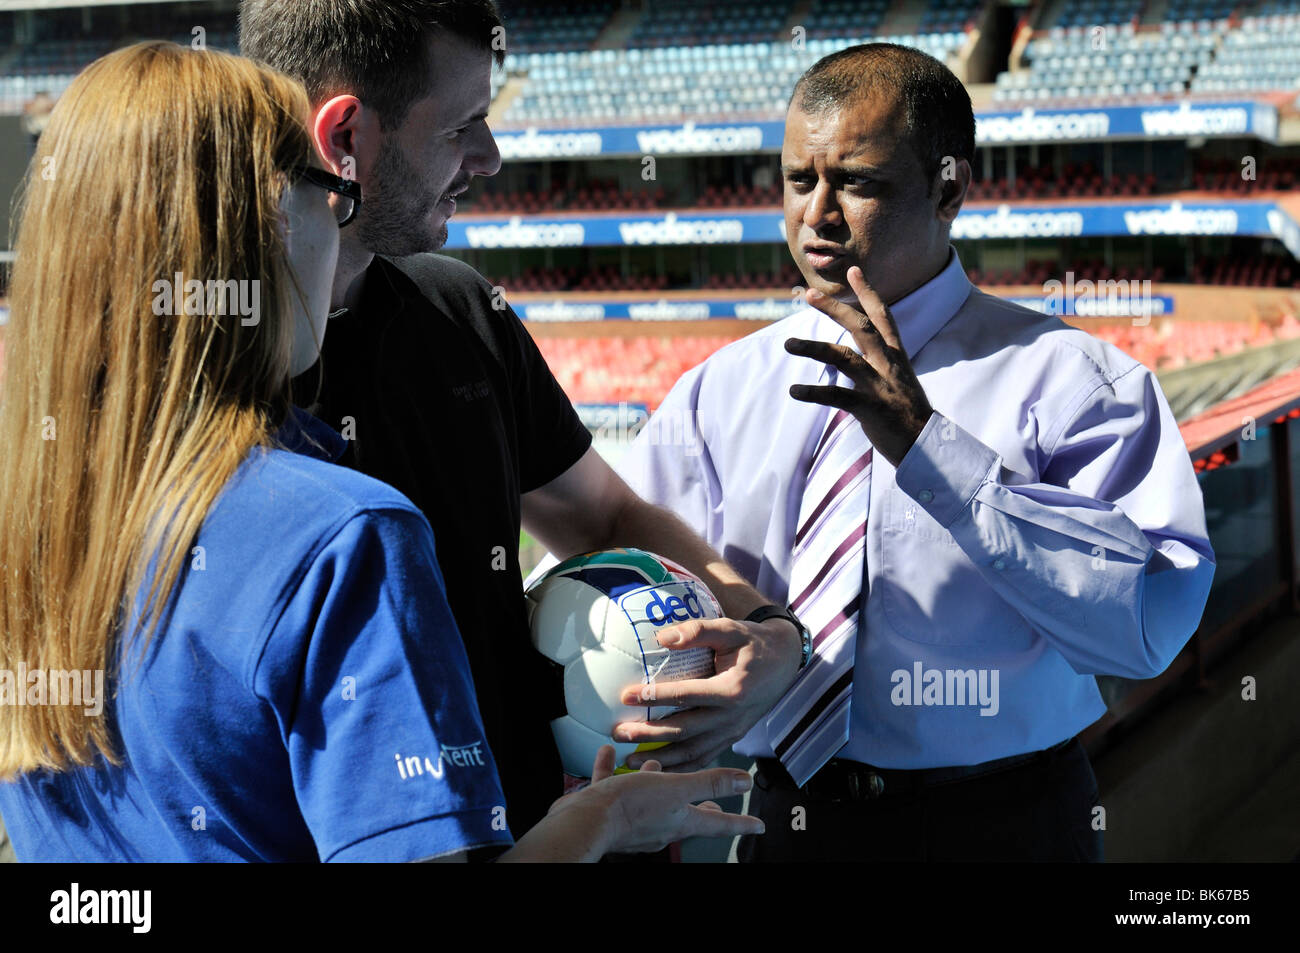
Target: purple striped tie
<point>811,721</point>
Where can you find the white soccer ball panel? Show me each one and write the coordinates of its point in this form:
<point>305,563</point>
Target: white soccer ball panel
<point>567,618</point>
<point>578,745</point>
<point>592,686</point>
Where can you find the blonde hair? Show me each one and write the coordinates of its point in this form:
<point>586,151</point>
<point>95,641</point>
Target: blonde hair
<point>120,426</point>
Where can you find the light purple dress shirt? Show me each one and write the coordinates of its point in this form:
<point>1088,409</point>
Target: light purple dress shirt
<point>1047,525</point>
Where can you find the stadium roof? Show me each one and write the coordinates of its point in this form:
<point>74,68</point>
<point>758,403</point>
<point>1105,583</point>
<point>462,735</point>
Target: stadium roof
<point>12,6</point>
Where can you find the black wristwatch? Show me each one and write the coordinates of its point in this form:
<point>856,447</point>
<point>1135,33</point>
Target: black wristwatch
<point>763,613</point>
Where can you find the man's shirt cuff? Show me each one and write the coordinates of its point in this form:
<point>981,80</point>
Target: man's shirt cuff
<point>944,468</point>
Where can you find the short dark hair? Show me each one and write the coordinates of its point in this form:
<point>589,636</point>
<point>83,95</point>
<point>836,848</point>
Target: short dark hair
<point>936,107</point>
<point>374,49</point>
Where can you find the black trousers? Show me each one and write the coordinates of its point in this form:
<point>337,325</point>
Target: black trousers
<point>1039,810</point>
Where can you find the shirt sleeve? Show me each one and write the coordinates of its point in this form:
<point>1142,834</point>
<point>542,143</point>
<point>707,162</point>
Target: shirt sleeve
<point>1108,556</point>
<point>369,681</point>
<point>552,437</point>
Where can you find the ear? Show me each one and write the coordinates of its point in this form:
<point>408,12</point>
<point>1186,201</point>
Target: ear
<point>953,181</point>
<point>346,135</point>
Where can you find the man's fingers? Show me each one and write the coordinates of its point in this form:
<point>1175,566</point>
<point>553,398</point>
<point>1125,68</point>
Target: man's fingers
<point>707,823</point>
<point>852,364</point>
<point>604,766</point>
<point>877,311</point>
<point>713,784</point>
<point>721,635</point>
<point>694,754</point>
<point>685,693</point>
<point>843,398</point>
<point>676,727</point>
<point>866,334</point>
<point>701,762</point>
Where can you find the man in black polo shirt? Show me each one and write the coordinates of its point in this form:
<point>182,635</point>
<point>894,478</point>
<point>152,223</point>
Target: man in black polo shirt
<point>463,428</point>
<point>443,394</point>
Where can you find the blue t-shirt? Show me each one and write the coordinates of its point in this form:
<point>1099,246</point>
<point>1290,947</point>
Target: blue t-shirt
<point>306,697</point>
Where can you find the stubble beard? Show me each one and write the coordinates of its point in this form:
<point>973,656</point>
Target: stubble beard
<point>392,221</point>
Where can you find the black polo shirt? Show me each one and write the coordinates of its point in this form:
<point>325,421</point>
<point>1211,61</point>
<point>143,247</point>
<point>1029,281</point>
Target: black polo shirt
<point>448,399</point>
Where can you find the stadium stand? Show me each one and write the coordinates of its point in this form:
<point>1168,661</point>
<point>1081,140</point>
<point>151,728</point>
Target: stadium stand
<point>949,16</point>
<point>1225,175</point>
<point>1197,11</point>
<point>1260,54</point>
<point>783,279</point>
<point>593,195</point>
<point>1087,13</point>
<point>1254,271</point>
<point>1103,49</point>
<point>1111,61</point>
<point>633,369</point>
<point>553,25</point>
<point>688,22</point>
<point>685,59</point>
<point>642,369</point>
<point>1073,180</point>
<point>847,16</point>
<point>1039,271</point>
<point>603,279</point>
<point>673,82</point>
<point>1227,347</point>
<point>65,41</point>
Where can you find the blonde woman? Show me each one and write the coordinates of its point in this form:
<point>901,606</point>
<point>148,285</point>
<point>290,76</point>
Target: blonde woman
<point>215,644</point>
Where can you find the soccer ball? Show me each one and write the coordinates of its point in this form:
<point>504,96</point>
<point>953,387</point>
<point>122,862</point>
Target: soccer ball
<point>596,617</point>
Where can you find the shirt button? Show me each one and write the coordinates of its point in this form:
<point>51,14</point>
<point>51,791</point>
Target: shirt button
<point>925,496</point>
<point>999,564</point>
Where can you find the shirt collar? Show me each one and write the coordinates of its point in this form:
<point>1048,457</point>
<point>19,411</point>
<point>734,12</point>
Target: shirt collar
<point>305,434</point>
<point>383,292</point>
<point>921,313</point>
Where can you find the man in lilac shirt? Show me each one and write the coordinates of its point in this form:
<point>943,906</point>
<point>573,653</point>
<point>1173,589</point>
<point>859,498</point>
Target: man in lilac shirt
<point>1033,518</point>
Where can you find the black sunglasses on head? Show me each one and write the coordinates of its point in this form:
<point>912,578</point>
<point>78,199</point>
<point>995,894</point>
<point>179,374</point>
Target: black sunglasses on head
<point>348,191</point>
